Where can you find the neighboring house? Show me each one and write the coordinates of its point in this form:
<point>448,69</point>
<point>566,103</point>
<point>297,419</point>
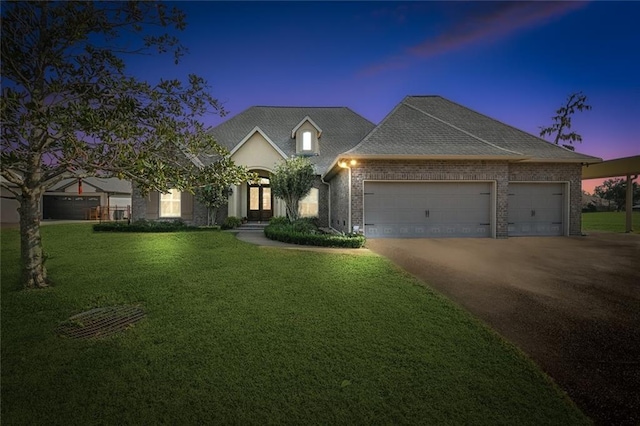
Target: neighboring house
<point>431,168</point>
<point>8,205</point>
<point>63,201</point>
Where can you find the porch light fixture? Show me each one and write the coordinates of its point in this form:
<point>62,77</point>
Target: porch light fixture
<point>346,165</point>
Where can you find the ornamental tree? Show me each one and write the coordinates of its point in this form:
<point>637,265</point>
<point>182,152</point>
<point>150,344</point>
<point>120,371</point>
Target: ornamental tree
<point>69,109</point>
<point>562,121</point>
<point>215,193</point>
<point>291,181</point>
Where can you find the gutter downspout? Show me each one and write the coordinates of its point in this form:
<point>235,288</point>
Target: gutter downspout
<point>329,200</point>
<point>349,203</point>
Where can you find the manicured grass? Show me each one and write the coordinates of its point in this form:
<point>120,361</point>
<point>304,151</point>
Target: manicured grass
<point>609,221</point>
<point>242,334</point>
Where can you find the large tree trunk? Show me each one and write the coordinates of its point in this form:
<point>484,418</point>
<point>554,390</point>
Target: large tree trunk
<point>34,274</point>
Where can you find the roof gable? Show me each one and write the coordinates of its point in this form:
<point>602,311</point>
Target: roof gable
<point>111,185</point>
<point>409,131</point>
<point>304,120</point>
<point>495,131</point>
<point>341,129</point>
<point>250,134</point>
<point>434,127</point>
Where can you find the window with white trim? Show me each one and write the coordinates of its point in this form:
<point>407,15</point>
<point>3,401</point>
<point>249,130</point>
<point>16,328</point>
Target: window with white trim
<point>309,204</point>
<point>306,141</point>
<point>170,204</point>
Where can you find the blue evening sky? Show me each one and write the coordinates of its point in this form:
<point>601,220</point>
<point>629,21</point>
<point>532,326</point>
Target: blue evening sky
<point>514,61</point>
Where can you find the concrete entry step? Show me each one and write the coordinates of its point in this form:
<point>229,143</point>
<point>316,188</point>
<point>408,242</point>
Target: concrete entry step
<point>252,226</point>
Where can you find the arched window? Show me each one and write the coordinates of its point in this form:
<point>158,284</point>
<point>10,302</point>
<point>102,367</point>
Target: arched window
<point>306,141</point>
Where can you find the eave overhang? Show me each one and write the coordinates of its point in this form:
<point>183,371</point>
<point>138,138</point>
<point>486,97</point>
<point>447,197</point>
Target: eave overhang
<point>333,169</point>
<point>611,168</point>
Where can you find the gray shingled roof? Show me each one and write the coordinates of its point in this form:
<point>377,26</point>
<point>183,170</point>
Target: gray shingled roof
<point>341,128</point>
<point>434,126</point>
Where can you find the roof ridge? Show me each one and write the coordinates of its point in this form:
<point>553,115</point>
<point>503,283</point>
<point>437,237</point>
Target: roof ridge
<point>294,106</point>
<point>461,130</point>
<point>377,126</point>
<point>509,125</point>
<point>360,116</point>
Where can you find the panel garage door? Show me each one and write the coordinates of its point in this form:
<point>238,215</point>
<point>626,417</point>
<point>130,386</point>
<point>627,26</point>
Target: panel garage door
<point>427,209</point>
<point>75,207</point>
<point>536,209</point>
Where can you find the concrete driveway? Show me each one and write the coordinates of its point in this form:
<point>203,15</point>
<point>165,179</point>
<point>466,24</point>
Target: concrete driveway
<point>571,303</point>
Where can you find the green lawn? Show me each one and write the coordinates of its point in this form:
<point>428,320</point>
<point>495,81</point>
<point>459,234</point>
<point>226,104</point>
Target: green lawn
<point>239,334</point>
<point>609,221</point>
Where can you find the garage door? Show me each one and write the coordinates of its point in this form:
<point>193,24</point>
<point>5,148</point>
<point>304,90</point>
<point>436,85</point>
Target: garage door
<point>427,209</point>
<point>68,207</point>
<point>536,209</point>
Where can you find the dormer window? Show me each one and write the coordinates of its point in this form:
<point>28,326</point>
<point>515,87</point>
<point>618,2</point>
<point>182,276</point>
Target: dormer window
<point>306,141</point>
<point>306,136</point>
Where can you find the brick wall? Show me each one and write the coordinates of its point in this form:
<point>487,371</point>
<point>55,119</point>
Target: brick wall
<point>499,172</point>
<point>555,172</point>
<point>431,170</point>
<point>323,202</point>
<point>145,207</point>
<point>340,200</point>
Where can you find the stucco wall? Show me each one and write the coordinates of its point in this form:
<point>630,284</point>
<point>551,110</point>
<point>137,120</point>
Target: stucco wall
<point>307,127</point>
<point>257,153</point>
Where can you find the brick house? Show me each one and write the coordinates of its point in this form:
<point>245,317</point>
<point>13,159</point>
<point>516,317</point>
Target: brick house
<point>431,168</point>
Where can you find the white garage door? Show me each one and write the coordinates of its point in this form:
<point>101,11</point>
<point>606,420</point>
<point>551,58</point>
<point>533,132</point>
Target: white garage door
<point>427,209</point>
<point>536,209</point>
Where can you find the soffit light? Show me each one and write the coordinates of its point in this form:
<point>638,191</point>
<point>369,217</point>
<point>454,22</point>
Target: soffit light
<point>345,165</point>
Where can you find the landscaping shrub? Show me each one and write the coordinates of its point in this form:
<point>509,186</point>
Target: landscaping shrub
<point>305,226</point>
<point>231,222</point>
<point>305,232</point>
<point>279,221</point>
<point>143,225</point>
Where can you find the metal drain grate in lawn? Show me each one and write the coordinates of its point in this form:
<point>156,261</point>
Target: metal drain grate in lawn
<point>100,322</point>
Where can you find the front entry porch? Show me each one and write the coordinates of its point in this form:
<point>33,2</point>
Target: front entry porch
<point>255,202</point>
<point>259,201</point>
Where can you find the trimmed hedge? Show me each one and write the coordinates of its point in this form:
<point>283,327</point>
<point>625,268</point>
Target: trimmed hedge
<point>149,226</point>
<point>304,232</point>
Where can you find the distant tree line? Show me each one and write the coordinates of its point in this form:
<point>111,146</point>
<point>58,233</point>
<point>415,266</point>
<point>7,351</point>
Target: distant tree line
<point>615,190</point>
